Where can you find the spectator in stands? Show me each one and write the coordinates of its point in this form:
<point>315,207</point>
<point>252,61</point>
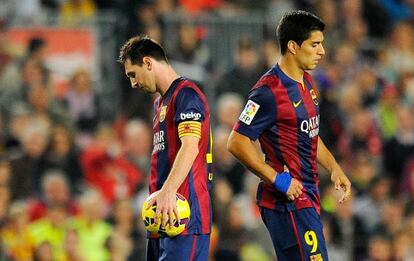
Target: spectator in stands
<point>392,217</point>
<point>226,166</point>
<point>138,144</point>
<point>37,51</point>
<point>400,51</point>
<point>348,232</point>
<point>246,71</point>
<point>107,169</point>
<point>368,206</point>
<point>55,191</point>
<point>44,107</point>
<point>126,231</point>
<point>93,231</point>
<point>362,171</point>
<point>10,76</point>
<point>379,248</point>
<point>229,107</point>
<point>51,229</point>
<point>16,236</point>
<point>406,88</point>
<point>82,102</point>
<point>33,75</point>
<point>401,146</point>
<point>361,135</point>
<point>402,246</point>
<point>63,155</point>
<point>27,164</point>
<point>386,112</point>
<point>270,53</point>
<point>190,56</point>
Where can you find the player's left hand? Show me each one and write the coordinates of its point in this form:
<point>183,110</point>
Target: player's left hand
<point>341,181</point>
<point>166,207</point>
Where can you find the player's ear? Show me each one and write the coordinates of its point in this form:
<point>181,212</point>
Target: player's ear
<point>292,47</point>
<point>147,62</point>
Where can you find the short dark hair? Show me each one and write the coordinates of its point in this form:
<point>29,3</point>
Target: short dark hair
<point>297,26</point>
<point>136,48</point>
<point>35,44</point>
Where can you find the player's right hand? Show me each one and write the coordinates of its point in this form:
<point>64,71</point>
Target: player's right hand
<point>166,207</point>
<point>295,189</point>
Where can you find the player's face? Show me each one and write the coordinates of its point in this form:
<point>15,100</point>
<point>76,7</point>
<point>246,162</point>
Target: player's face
<point>311,51</point>
<point>140,76</point>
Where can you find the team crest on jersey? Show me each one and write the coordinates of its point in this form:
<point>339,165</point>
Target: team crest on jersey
<point>163,113</point>
<point>317,257</point>
<point>249,112</point>
<point>314,96</point>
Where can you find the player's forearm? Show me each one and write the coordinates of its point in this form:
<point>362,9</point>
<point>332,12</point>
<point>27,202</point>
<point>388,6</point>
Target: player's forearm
<point>182,164</point>
<point>325,157</point>
<point>244,150</point>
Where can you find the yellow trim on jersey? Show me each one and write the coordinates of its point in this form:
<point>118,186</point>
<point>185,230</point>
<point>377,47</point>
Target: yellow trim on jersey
<point>209,158</point>
<point>189,128</point>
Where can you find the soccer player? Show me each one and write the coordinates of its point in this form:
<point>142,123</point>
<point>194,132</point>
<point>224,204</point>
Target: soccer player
<point>181,157</point>
<point>282,112</point>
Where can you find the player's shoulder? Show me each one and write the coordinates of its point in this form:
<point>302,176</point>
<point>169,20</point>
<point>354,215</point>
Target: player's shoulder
<point>268,80</point>
<point>189,88</point>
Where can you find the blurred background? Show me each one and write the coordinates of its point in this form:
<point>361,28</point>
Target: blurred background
<point>75,139</point>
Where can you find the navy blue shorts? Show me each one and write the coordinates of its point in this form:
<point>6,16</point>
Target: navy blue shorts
<point>297,235</point>
<point>183,248</point>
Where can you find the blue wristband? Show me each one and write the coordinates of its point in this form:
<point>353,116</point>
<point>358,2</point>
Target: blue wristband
<point>282,181</point>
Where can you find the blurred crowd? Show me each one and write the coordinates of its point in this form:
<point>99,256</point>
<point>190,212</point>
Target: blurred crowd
<point>72,183</point>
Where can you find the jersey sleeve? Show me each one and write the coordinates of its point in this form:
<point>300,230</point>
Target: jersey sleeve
<point>258,114</point>
<point>189,113</point>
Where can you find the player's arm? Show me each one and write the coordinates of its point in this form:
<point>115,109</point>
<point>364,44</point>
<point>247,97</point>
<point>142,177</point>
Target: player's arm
<point>338,177</point>
<point>245,151</point>
<point>165,198</point>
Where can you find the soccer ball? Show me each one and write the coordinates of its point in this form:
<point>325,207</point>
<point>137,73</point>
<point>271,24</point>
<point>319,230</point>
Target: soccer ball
<point>148,217</point>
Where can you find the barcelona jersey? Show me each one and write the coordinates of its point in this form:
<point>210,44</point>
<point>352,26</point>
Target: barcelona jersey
<point>284,116</point>
<point>183,110</point>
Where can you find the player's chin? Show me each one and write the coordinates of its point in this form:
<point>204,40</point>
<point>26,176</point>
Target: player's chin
<point>312,66</point>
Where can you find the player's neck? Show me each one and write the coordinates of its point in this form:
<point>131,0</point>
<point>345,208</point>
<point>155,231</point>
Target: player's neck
<point>165,78</point>
<point>291,69</point>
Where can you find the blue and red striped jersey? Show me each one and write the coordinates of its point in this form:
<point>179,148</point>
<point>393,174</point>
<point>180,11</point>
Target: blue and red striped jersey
<point>284,116</point>
<point>180,108</point>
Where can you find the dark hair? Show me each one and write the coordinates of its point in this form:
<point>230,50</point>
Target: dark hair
<point>136,48</point>
<point>35,44</point>
<point>297,26</point>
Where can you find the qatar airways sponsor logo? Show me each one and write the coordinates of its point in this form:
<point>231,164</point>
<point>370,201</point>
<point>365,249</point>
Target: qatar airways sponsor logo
<point>310,126</point>
<point>190,116</point>
<point>158,142</point>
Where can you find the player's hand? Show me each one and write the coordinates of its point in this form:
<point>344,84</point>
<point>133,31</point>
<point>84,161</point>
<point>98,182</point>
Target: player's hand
<point>166,207</point>
<point>295,189</point>
<point>342,182</point>
<point>288,185</point>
